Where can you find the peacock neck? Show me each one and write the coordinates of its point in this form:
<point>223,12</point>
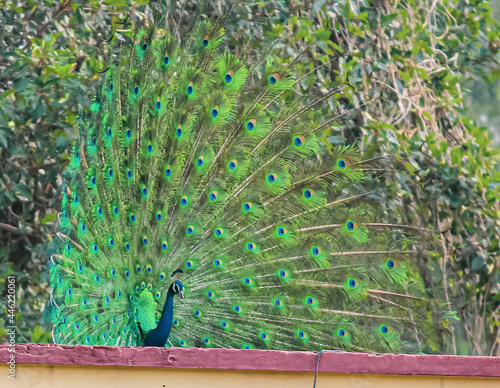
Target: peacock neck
<point>165,324</point>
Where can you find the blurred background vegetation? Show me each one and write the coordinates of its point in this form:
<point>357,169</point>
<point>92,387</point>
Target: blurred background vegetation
<point>419,79</point>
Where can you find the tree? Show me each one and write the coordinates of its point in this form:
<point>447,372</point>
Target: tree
<point>402,69</point>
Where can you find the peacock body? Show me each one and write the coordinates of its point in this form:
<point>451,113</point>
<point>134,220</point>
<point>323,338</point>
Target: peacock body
<point>193,165</point>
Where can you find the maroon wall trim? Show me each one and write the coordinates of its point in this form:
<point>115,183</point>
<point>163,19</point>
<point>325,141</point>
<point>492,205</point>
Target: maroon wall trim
<point>275,360</point>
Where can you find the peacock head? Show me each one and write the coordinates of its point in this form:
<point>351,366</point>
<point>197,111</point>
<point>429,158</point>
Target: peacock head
<point>176,287</point>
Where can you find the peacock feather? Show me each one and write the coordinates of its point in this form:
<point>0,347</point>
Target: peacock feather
<point>192,164</point>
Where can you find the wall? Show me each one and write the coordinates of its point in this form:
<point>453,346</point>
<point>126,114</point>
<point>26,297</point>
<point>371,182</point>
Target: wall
<point>54,366</point>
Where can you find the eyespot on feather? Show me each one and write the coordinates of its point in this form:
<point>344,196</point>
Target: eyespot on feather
<point>228,77</point>
<point>274,79</point>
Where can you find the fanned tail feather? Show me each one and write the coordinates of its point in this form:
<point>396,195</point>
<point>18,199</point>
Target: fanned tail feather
<point>192,160</point>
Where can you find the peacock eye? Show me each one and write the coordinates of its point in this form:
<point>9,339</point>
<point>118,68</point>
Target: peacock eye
<point>392,264</point>
<point>343,163</point>
<point>215,112</point>
<point>184,200</point>
<point>213,196</point>
<point>128,133</point>
<point>228,77</point>
<point>190,89</point>
<point>200,161</point>
<point>282,231</point>
<point>309,193</point>
<point>144,47</point>
<point>250,124</point>
<point>351,225</point>
<point>136,90</point>
<point>247,206</point>
<point>316,251</point>
<point>149,269</point>
<point>232,164</point>
<point>298,140</point>
<point>166,60</point>
<point>311,301</point>
<point>272,178</point>
<point>343,333</point>
<point>273,79</point>
<point>205,42</point>
<point>353,283</point>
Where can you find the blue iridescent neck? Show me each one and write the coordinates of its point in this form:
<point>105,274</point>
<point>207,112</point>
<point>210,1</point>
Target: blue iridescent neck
<point>159,336</point>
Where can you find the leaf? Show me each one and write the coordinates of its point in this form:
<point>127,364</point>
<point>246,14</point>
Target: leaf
<point>427,116</point>
<point>317,5</point>
<point>50,217</point>
<point>478,263</point>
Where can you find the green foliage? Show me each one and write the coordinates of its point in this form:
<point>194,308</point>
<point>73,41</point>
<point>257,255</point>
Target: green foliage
<point>403,73</point>
<point>49,55</point>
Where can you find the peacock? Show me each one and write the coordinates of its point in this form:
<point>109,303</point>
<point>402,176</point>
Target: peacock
<point>200,208</point>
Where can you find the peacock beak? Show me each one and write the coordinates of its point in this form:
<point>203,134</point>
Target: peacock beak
<point>181,294</point>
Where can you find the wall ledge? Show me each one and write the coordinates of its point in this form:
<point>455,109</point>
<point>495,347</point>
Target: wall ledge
<point>239,359</point>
